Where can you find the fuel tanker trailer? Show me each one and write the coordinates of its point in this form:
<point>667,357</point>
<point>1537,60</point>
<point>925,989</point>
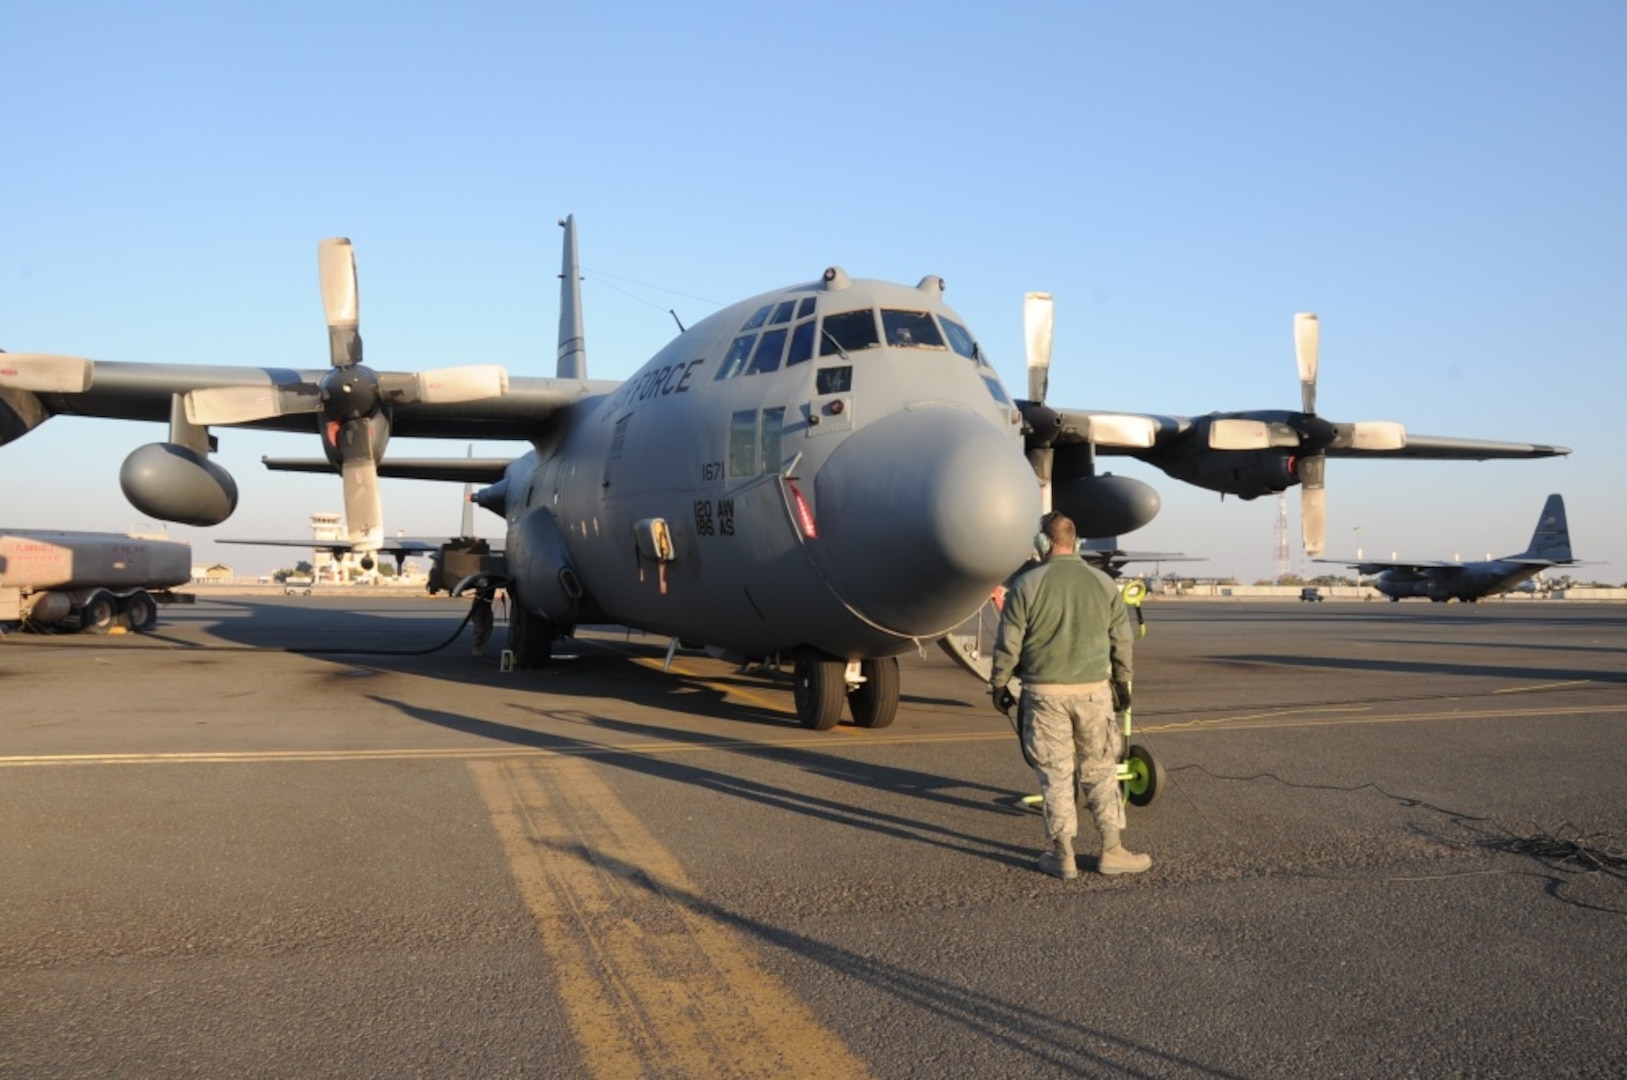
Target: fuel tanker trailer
<point>95,581</point>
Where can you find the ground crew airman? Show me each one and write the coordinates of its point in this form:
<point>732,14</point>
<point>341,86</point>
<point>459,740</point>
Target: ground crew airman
<point>1065,632</point>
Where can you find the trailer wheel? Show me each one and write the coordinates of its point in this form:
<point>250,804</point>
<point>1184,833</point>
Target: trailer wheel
<point>99,614</point>
<point>140,612</point>
<point>1146,778</point>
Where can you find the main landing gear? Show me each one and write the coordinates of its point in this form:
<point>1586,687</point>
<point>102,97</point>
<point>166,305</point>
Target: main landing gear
<point>822,684</point>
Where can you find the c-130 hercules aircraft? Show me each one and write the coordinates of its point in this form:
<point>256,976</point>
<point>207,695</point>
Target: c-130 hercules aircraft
<point>830,472</point>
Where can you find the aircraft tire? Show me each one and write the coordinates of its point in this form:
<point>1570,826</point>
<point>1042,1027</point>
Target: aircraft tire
<point>1146,776</point>
<point>99,614</point>
<point>140,612</point>
<point>530,639</point>
<point>875,701</point>
<point>821,684</point>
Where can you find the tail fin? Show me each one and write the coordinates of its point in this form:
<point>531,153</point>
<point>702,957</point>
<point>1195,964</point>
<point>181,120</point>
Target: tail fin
<point>1552,538</point>
<point>573,353</point>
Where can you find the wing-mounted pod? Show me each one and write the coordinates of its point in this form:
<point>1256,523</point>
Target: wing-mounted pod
<point>175,480</point>
<point>539,562</point>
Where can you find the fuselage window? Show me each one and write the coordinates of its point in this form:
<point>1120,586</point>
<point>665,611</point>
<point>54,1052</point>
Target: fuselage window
<point>911,329</point>
<point>801,343</point>
<point>735,361</point>
<point>743,443</point>
<point>773,429</point>
<point>757,319</point>
<point>805,308</point>
<point>834,380</point>
<point>767,357</point>
<point>996,389</point>
<point>960,339</point>
<point>848,332</point>
<point>782,314</point>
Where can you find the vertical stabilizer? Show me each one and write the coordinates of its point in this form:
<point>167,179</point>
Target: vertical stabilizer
<point>1552,539</point>
<point>573,353</point>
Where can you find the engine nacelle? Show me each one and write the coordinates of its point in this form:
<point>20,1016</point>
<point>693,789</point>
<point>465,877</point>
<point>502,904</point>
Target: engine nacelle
<point>1106,505</point>
<point>1247,474</point>
<point>172,483</point>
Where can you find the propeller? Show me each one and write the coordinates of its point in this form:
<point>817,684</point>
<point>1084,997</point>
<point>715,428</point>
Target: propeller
<point>354,402</point>
<point>1044,423</point>
<point>1309,433</point>
<point>44,373</point>
<point>1039,320</point>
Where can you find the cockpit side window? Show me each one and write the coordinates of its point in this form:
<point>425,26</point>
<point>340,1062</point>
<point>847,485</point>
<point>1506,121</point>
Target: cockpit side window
<point>911,329</point>
<point>735,361</point>
<point>757,319</point>
<point>849,332</point>
<point>782,314</point>
<point>960,339</point>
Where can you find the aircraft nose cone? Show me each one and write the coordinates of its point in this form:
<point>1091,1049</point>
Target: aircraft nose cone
<point>921,514</point>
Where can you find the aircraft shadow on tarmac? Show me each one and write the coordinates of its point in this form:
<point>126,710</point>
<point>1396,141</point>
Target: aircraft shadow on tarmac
<point>1060,1043</point>
<point>885,779</point>
<point>1426,667</point>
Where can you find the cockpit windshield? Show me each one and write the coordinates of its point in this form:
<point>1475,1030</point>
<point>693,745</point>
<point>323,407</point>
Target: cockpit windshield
<point>849,332</point>
<point>911,329</point>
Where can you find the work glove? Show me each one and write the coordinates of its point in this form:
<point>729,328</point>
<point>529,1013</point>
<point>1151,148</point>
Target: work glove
<point>1004,699</point>
<point>1121,697</point>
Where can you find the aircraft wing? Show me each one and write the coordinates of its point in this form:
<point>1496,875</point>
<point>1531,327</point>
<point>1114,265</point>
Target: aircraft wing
<point>461,470</point>
<point>1147,435</point>
<point>119,390</point>
<point>1449,448</point>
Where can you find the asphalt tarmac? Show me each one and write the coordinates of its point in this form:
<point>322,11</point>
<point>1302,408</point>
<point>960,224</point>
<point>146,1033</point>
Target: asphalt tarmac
<point>1392,841</point>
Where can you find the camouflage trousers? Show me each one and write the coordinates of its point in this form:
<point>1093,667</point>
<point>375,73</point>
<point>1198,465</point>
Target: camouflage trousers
<point>1073,741</point>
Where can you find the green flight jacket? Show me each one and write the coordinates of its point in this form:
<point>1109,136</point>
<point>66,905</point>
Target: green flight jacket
<point>1063,622</point>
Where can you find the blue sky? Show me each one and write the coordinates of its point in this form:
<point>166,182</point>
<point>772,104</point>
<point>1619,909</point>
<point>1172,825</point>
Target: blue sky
<point>1441,183</point>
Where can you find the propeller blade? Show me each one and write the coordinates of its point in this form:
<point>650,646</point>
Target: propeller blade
<point>1115,429</point>
<point>1307,343</point>
<point>364,508</point>
<point>1038,321</point>
<point>341,300</point>
<point>445,385</point>
<point>211,405</point>
<point>1313,508</point>
<point>1232,434</point>
<point>45,373</point>
<point>1370,435</point>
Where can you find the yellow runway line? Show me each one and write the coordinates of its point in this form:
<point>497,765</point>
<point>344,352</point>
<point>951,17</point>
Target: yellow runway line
<point>653,984</point>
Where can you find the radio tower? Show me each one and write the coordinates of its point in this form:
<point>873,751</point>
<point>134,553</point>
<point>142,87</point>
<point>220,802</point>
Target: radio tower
<point>1281,549</point>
